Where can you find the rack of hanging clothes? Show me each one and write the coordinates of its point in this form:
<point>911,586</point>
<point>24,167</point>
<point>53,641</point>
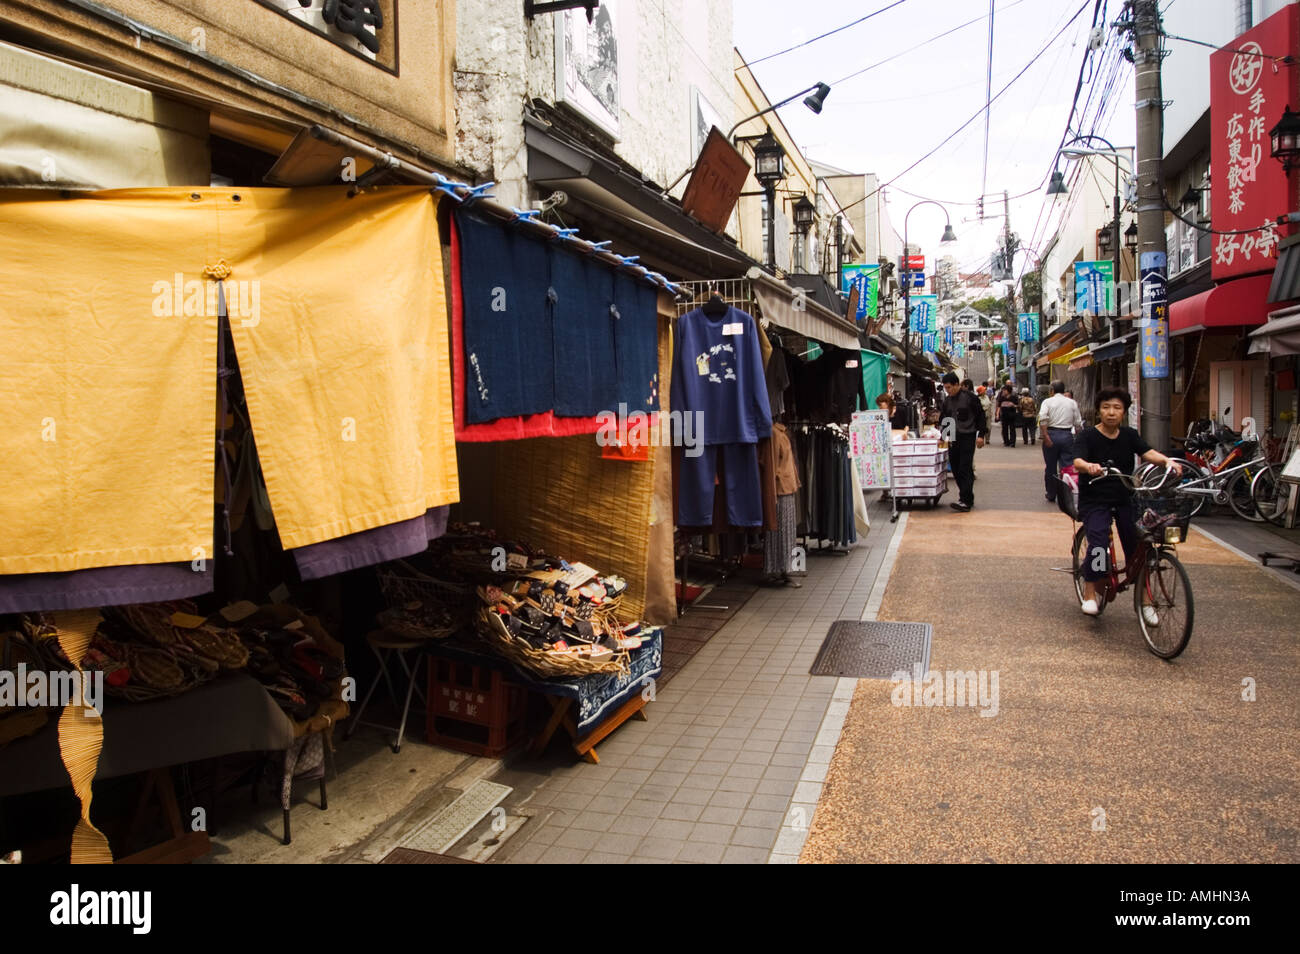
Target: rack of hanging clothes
<point>824,504</point>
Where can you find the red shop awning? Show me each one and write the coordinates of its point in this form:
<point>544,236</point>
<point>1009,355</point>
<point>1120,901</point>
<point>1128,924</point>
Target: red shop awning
<point>1240,301</point>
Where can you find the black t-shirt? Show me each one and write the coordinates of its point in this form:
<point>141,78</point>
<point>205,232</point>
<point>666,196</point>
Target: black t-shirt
<point>1094,446</point>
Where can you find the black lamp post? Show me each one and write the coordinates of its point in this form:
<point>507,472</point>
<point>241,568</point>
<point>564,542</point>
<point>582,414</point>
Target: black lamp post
<point>1131,238</point>
<point>948,237</point>
<point>1285,139</point>
<point>769,169</point>
<point>1108,241</point>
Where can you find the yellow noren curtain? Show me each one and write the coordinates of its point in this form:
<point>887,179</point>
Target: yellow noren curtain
<point>108,340</point>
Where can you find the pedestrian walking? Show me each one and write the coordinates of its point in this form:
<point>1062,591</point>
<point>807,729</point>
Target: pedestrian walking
<point>964,419</point>
<point>986,401</point>
<point>1058,421</point>
<point>1007,407</point>
<point>1028,416</point>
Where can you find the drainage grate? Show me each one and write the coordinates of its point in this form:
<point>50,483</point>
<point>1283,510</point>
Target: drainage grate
<point>452,823</point>
<point>872,649</point>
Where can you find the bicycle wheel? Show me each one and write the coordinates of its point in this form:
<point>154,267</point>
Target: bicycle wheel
<point>1271,495</point>
<point>1162,584</point>
<point>1190,472</point>
<point>1079,553</point>
<point>1239,495</point>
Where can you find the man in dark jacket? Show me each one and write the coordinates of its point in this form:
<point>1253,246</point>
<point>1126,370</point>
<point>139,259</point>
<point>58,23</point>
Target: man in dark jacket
<point>963,423</point>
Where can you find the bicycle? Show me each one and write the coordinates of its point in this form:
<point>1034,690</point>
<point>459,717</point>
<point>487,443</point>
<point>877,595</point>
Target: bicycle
<point>1272,496</point>
<point>1225,482</point>
<point>1158,579</point>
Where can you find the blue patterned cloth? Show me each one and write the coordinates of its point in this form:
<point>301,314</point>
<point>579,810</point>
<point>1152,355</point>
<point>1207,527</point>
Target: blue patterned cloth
<point>598,696</point>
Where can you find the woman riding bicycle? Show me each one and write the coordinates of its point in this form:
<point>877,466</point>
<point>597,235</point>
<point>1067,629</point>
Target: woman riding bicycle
<point>1116,445</point>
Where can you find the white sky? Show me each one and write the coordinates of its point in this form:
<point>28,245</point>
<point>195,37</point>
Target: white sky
<point>885,119</point>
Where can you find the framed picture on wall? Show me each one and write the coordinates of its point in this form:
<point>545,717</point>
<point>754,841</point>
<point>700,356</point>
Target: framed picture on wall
<point>586,65</point>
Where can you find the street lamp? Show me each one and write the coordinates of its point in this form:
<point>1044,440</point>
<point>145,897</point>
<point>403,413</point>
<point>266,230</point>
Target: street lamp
<point>1285,139</point>
<point>1131,238</point>
<point>948,238</point>
<point>814,102</point>
<point>769,169</point>
<point>1112,244</point>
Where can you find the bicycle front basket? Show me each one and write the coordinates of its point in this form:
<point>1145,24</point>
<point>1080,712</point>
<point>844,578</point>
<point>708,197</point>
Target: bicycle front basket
<point>1167,518</point>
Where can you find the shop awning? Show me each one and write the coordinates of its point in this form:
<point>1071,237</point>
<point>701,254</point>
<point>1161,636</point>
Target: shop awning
<point>1286,275</point>
<point>1241,301</point>
<point>1107,350</point>
<point>625,208</point>
<point>68,128</point>
<point>1279,336</point>
<point>777,300</point>
<point>1065,356</point>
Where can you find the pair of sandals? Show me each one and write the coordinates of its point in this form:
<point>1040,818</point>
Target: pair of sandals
<point>782,580</point>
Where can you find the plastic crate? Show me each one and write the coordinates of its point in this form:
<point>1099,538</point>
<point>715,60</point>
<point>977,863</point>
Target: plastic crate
<point>474,709</point>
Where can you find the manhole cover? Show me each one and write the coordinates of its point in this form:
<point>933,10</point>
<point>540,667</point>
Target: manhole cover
<point>873,649</point>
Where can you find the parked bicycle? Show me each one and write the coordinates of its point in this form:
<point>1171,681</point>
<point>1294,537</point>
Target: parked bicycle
<point>1221,467</point>
<point>1271,496</point>
<point>1162,591</point>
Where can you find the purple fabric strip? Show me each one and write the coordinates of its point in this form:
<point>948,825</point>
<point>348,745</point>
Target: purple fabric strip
<point>377,545</point>
<point>102,586</point>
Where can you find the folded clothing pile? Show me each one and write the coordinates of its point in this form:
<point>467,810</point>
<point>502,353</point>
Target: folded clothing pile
<point>291,665</point>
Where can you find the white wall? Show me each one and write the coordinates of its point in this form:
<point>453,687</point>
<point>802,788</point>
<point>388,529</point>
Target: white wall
<point>664,48</point>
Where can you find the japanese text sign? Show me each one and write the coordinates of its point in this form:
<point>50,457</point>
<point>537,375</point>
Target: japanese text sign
<point>1249,89</point>
<point>1094,288</point>
<point>867,280</point>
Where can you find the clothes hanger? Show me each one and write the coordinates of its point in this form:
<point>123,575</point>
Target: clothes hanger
<point>715,305</point>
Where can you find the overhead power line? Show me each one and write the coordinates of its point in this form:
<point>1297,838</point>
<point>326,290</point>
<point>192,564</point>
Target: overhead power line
<point>1037,56</point>
<point>910,49</point>
<point>823,36</point>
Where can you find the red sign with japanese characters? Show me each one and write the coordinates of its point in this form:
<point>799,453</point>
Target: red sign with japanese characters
<point>1249,89</point>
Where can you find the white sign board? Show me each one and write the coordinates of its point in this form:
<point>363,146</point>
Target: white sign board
<point>1292,469</point>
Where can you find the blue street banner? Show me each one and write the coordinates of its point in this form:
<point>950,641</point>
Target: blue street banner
<point>1094,288</point>
<point>1029,326</point>
<point>947,337</point>
<point>927,341</point>
<point>867,280</point>
<point>924,318</point>
<point>1155,312</point>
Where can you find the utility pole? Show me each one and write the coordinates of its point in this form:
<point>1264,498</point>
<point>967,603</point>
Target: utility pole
<point>1008,261</point>
<point>1144,25</point>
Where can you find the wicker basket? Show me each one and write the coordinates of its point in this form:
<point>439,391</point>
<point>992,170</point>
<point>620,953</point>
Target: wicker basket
<point>419,606</point>
<point>543,663</point>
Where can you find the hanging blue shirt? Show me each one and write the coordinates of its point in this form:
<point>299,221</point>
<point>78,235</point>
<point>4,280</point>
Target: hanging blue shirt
<point>718,370</point>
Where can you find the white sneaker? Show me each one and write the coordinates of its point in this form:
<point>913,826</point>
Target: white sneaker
<point>1150,615</point>
<point>1090,607</point>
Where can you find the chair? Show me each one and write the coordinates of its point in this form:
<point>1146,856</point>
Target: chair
<point>385,646</point>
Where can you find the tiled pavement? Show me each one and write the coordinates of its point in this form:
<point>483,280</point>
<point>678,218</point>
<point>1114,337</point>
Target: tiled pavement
<point>729,765</point>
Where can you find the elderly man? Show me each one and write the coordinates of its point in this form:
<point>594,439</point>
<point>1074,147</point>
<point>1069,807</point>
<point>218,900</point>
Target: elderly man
<point>1058,421</point>
<point>963,419</point>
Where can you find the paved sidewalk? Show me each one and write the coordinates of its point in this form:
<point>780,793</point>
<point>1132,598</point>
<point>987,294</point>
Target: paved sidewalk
<point>1099,751</point>
<point>728,755</point>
